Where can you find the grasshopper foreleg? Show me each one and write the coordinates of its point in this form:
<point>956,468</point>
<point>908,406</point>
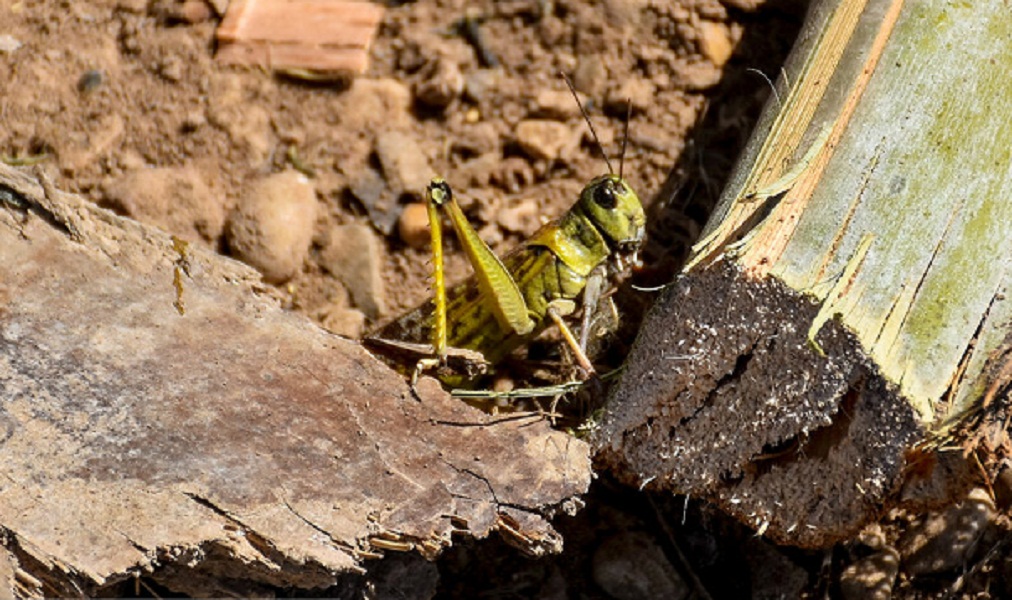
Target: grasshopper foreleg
<point>591,296</point>
<point>556,310</point>
<point>592,292</point>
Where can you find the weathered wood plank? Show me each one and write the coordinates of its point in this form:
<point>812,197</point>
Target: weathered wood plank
<point>235,441</point>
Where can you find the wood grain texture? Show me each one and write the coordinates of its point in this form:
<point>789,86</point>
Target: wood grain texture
<point>233,443</point>
<point>827,352</point>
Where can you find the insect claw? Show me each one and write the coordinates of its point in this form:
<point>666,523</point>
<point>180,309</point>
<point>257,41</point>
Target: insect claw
<point>414,392</point>
<point>421,366</point>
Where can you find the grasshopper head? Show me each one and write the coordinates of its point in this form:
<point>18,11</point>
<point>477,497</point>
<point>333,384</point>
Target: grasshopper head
<point>616,212</point>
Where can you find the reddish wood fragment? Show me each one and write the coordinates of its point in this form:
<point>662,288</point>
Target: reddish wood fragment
<point>314,35</point>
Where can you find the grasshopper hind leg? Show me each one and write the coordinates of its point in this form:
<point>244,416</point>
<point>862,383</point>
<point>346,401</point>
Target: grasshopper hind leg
<point>438,195</point>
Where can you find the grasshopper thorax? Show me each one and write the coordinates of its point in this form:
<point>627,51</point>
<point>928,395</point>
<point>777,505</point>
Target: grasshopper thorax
<point>616,212</point>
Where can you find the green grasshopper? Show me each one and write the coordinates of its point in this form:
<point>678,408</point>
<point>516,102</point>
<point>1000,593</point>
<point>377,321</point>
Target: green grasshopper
<point>509,301</point>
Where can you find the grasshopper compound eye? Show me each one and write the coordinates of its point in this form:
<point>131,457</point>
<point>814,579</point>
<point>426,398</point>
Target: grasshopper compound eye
<point>604,196</point>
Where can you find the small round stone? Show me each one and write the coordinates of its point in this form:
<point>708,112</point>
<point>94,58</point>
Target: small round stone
<point>272,227</point>
<point>413,226</point>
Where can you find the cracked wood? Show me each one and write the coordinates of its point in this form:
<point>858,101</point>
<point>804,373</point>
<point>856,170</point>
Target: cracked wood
<point>845,317</point>
<point>233,440</point>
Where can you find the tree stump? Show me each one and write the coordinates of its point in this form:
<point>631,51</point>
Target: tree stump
<point>838,341</point>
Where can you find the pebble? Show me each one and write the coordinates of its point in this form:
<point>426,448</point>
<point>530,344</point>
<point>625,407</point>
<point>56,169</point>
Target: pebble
<point>745,5</point>
<point>352,254</point>
<point>479,171</point>
<point>638,92</point>
<point>646,141</point>
<point>478,83</point>
<point>272,227</point>
<point>404,164</point>
<point>715,43</point>
<point>89,81</point>
<point>372,191</point>
<point>375,103</point>
<point>556,104</point>
<point>440,85</point>
<point>943,541</point>
<point>698,76</point>
<point>713,11</point>
<point>413,225</point>
<point>520,217</point>
<point>194,11</point>
<point>590,76</point>
<point>512,174</point>
<point>477,139</point>
<point>132,6</point>
<point>171,69</point>
<point>542,139</point>
<point>871,577</point>
<point>344,321</point>
<point>623,13</point>
<point>192,121</point>
<point>629,566</point>
<point>9,43</point>
<point>176,199</point>
<point>555,31</point>
<point>131,160</point>
<point>176,11</point>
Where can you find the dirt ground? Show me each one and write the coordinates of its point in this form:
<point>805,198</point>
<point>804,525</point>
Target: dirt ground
<point>123,102</point>
<point>118,99</point>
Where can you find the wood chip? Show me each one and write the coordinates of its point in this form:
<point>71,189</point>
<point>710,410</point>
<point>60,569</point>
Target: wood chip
<point>318,37</point>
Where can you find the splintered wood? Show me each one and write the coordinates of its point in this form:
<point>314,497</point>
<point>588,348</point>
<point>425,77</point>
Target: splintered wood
<point>831,349</point>
<point>314,37</point>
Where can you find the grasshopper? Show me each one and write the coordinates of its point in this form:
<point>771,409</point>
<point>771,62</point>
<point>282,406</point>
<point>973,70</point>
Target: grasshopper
<point>509,301</point>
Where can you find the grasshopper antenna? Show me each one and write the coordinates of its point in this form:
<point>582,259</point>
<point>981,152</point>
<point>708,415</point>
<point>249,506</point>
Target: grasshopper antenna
<point>586,118</point>
<point>625,136</point>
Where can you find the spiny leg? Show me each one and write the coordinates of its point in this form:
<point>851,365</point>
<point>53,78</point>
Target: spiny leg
<point>434,197</point>
<point>497,285</point>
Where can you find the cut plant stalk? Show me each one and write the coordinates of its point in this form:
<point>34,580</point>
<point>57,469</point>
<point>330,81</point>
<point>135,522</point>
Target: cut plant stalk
<point>830,345</point>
